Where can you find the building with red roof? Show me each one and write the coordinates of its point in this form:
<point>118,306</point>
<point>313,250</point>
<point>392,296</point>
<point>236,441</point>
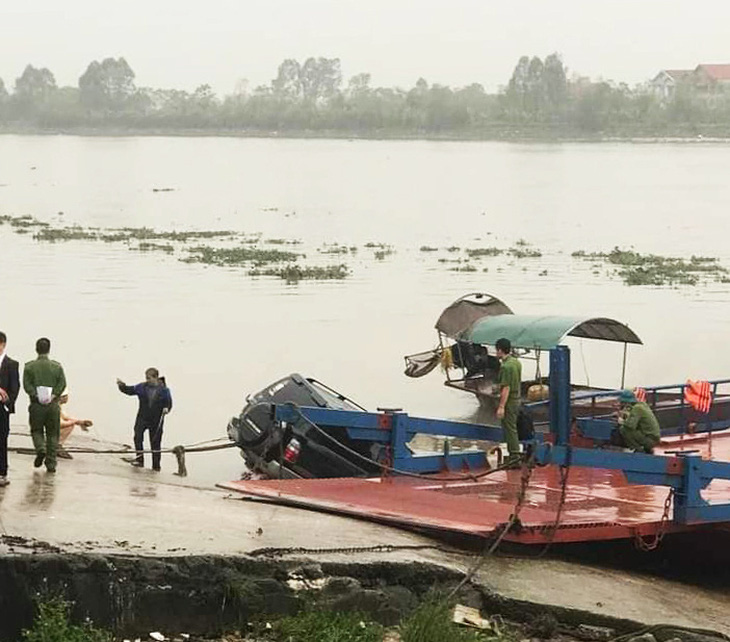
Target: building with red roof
<point>703,79</point>
<point>712,75</point>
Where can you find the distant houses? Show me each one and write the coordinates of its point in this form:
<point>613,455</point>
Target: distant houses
<point>702,81</point>
<point>665,83</point>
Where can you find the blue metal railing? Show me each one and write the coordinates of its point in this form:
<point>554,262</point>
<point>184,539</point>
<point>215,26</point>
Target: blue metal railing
<point>688,475</point>
<point>594,423</point>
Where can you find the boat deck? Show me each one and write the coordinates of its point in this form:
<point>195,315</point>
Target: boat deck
<point>599,504</point>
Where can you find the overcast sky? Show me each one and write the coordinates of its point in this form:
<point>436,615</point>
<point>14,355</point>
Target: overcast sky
<point>184,43</point>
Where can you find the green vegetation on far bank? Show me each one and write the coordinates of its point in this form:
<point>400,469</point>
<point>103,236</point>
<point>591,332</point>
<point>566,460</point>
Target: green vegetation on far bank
<point>311,98</point>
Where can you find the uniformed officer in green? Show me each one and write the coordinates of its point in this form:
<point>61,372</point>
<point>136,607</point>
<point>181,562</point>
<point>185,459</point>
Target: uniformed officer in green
<point>638,426</point>
<point>510,383</point>
<point>44,381</point>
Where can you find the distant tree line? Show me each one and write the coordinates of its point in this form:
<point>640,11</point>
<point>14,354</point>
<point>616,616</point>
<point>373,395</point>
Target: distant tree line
<point>540,98</point>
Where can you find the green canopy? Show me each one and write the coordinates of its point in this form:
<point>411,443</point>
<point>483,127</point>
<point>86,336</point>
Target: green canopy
<point>545,332</point>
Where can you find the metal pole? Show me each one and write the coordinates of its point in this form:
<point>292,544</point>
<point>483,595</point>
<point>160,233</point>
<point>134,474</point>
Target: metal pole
<point>623,367</point>
<point>560,394</point>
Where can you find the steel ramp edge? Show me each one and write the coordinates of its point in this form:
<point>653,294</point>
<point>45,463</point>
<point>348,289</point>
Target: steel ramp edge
<point>599,504</point>
<point>426,510</point>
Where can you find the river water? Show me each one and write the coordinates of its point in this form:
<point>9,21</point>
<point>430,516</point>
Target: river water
<point>218,334</point>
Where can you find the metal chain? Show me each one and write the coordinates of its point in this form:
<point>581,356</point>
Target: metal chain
<point>528,464</point>
<point>650,545</point>
<point>564,471</point>
<point>377,548</point>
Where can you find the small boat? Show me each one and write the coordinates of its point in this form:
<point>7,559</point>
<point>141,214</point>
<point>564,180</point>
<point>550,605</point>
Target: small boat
<point>468,329</point>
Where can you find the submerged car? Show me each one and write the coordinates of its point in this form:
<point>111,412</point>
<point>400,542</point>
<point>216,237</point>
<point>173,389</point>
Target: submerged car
<point>301,449</point>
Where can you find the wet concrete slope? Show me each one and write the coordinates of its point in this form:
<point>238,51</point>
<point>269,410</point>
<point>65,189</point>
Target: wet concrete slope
<point>131,544</point>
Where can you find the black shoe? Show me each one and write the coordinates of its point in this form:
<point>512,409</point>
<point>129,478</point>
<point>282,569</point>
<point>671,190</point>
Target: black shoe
<point>156,468</point>
<point>39,459</point>
<point>646,450</point>
<point>136,463</point>
<point>51,470</point>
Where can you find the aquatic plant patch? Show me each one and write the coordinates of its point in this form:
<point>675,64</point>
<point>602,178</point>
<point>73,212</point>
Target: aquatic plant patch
<point>333,248</point>
<point>635,268</point>
<point>283,241</point>
<point>53,235</point>
<point>247,254</point>
<point>294,273</point>
<point>521,252</point>
<point>381,254</point>
<point>479,252</point>
<point>47,232</point>
<point>238,256</point>
<point>147,234</point>
<point>154,247</point>
<point>24,221</point>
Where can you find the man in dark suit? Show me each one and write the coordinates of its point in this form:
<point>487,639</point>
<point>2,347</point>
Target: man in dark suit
<point>9,388</point>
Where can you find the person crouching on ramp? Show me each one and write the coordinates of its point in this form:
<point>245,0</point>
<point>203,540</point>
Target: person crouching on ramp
<point>155,401</point>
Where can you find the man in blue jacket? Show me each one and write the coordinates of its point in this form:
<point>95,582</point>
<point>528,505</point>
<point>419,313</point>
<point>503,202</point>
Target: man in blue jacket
<point>155,401</point>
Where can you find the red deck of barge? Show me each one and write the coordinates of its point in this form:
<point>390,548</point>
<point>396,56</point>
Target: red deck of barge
<point>599,504</point>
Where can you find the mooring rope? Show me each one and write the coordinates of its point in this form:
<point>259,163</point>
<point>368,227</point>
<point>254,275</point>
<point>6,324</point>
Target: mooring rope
<point>179,451</point>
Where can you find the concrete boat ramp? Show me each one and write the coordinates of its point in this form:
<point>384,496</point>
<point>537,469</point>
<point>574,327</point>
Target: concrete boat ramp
<point>97,504</point>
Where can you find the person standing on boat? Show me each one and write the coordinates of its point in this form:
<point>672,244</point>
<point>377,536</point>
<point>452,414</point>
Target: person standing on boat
<point>155,401</point>
<point>638,426</point>
<point>44,381</point>
<point>510,382</point>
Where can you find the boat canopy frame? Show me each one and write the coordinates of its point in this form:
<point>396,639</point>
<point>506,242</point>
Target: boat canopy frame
<point>467,310</point>
<point>535,332</point>
<point>482,318</point>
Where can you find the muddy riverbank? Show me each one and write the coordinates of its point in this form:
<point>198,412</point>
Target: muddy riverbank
<point>208,595</point>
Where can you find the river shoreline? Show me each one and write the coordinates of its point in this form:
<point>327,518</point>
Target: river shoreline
<point>496,136</point>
